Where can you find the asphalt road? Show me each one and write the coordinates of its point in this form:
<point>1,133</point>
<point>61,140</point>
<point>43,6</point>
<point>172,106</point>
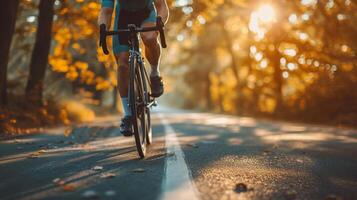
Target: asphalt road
<point>194,156</point>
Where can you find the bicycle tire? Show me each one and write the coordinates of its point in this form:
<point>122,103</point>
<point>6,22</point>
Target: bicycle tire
<point>149,128</point>
<point>147,100</point>
<point>136,99</point>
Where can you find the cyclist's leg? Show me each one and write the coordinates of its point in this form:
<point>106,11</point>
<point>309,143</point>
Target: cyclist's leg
<point>120,48</point>
<point>123,82</point>
<point>122,56</point>
<point>152,47</point>
<point>123,73</point>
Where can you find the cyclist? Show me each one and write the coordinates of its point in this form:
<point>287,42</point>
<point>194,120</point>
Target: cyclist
<point>141,13</point>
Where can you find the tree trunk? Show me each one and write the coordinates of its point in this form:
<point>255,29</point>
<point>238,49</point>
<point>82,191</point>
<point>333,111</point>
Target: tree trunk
<point>39,60</point>
<point>229,46</point>
<point>207,89</point>
<point>7,27</point>
<point>275,59</point>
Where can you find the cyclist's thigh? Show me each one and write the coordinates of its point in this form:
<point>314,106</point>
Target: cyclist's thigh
<point>119,48</point>
<point>120,42</point>
<point>149,22</point>
<point>151,18</point>
<point>122,58</point>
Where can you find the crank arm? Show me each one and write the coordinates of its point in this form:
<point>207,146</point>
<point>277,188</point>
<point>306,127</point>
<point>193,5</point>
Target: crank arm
<point>152,103</point>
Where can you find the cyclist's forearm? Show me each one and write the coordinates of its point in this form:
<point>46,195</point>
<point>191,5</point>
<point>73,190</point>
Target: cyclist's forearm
<point>164,15</point>
<point>162,10</point>
<point>105,16</point>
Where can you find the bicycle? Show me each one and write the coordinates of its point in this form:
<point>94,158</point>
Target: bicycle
<point>140,100</point>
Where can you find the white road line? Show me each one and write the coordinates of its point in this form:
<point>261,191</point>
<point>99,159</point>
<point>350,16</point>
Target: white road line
<point>177,183</point>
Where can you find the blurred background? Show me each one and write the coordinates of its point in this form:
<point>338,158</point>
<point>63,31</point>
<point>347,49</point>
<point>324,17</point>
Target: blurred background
<point>283,59</point>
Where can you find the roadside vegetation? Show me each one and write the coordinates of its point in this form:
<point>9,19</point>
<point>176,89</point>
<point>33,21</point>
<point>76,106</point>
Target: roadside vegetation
<point>51,71</point>
<point>289,59</point>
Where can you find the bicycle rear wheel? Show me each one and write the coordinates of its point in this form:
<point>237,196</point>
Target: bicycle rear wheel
<point>138,107</point>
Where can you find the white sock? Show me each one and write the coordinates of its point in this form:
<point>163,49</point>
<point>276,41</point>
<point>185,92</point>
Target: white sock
<point>154,71</point>
<point>125,103</point>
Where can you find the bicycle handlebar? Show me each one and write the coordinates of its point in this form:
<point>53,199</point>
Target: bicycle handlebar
<point>132,28</point>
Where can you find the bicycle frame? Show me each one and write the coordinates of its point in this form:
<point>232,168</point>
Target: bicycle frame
<point>135,53</point>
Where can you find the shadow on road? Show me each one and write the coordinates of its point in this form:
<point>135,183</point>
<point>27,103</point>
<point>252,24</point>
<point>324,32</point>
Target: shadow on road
<point>94,158</point>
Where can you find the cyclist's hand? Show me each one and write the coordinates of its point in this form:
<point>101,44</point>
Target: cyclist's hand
<point>159,21</point>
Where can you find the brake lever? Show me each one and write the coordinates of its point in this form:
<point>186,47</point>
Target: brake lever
<point>161,26</point>
<point>102,39</point>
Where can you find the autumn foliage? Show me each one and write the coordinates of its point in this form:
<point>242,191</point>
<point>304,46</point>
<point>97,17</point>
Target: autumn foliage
<point>287,59</point>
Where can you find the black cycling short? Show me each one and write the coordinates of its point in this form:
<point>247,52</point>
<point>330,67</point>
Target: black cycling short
<point>133,17</point>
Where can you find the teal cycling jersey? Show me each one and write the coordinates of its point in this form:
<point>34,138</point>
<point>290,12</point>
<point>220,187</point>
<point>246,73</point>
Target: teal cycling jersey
<point>132,5</point>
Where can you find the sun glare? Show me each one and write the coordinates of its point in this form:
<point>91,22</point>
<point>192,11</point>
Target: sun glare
<point>261,17</point>
<point>266,13</point>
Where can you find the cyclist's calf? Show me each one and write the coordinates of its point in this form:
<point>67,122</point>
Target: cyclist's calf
<point>122,59</point>
<point>123,73</point>
<point>152,50</point>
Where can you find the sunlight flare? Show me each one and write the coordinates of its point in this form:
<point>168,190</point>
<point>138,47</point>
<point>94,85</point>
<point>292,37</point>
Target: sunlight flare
<point>266,13</point>
<point>260,18</point>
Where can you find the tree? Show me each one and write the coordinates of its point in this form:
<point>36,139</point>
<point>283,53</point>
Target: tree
<point>7,26</point>
<point>39,60</point>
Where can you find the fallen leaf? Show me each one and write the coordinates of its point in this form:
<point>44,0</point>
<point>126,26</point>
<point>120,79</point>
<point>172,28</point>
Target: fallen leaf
<point>266,152</point>
<point>69,142</point>
<point>108,175</point>
<point>291,194</point>
<point>207,142</point>
<point>34,155</point>
<point>58,181</point>
<point>110,193</point>
<point>68,187</point>
<point>67,132</point>
<point>241,187</point>
<point>98,168</point>
<point>90,194</point>
<point>193,145</point>
<point>139,170</point>
<point>333,197</point>
<point>28,142</point>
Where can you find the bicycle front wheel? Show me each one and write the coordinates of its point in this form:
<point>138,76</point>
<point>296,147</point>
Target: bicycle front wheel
<point>138,107</point>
